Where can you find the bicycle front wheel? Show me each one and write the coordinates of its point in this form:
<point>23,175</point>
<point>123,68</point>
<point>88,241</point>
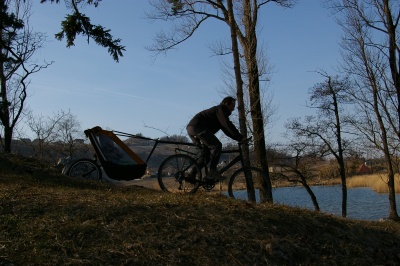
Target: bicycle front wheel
<point>179,173</point>
<point>85,169</point>
<point>240,188</point>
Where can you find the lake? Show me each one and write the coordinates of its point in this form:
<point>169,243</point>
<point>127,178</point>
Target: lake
<point>362,203</point>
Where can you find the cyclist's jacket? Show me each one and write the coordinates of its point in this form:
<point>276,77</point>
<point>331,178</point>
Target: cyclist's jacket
<point>214,119</point>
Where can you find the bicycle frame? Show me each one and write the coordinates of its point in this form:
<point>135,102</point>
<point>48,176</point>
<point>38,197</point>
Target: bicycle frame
<point>238,158</point>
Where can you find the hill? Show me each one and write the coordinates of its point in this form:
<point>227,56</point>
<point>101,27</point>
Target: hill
<point>49,219</point>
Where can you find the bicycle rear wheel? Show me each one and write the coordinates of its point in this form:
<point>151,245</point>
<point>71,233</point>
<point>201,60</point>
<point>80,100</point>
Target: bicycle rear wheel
<point>179,173</point>
<point>238,187</point>
<point>85,169</point>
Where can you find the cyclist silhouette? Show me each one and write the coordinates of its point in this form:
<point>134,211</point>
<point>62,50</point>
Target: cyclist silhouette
<point>205,124</point>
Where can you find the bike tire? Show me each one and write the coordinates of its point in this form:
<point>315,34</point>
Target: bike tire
<point>237,187</point>
<point>173,174</point>
<point>85,169</point>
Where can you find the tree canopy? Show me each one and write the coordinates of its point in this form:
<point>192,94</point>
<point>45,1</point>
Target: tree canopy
<point>78,23</point>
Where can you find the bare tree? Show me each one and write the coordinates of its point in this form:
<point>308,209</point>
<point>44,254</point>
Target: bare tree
<point>229,77</point>
<point>328,126</point>
<point>299,164</point>
<point>373,128</point>
<point>244,108</point>
<point>371,56</point>
<point>46,131</point>
<point>18,44</point>
<point>68,134</point>
<point>191,14</point>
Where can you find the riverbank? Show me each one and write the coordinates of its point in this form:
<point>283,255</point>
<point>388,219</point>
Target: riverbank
<point>50,219</point>
<point>377,182</point>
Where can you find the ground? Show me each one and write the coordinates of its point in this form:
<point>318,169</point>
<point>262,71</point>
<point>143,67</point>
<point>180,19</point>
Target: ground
<point>49,219</point>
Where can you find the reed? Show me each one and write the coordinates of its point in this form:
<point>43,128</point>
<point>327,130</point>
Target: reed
<point>377,182</point>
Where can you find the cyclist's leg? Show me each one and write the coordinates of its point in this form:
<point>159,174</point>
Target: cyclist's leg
<point>214,145</point>
<point>193,132</point>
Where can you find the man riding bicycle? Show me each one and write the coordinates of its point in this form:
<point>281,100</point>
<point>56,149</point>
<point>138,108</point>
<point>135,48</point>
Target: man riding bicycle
<point>203,127</point>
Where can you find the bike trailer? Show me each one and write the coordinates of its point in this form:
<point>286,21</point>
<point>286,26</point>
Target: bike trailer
<point>118,160</point>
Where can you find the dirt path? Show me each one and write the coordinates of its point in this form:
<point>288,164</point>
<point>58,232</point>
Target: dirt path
<point>147,183</point>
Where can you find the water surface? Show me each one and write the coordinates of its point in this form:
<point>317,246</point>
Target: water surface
<point>362,203</point>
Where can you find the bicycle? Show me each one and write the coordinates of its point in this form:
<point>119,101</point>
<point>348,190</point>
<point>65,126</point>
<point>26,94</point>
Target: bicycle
<point>181,173</point>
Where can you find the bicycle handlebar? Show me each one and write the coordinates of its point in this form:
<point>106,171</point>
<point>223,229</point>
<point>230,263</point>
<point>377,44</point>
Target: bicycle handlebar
<point>245,140</point>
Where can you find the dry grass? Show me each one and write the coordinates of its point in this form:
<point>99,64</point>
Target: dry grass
<point>377,182</point>
<point>49,219</point>
<point>310,182</point>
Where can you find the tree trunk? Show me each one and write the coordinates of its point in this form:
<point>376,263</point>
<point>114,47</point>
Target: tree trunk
<point>239,94</point>
<point>392,194</point>
<point>342,171</point>
<point>4,112</point>
<point>250,51</point>
<point>393,62</point>
<point>339,156</point>
<point>312,196</point>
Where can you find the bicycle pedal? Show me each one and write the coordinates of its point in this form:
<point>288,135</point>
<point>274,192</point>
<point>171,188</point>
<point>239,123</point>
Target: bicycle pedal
<point>223,178</point>
<point>215,180</point>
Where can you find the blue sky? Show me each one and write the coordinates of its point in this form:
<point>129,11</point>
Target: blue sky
<point>140,94</point>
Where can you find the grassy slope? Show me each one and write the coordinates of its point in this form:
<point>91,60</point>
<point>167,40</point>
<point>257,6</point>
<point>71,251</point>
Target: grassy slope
<point>49,219</point>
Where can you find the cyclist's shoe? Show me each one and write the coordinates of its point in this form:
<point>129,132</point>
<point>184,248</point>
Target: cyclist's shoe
<point>215,175</point>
